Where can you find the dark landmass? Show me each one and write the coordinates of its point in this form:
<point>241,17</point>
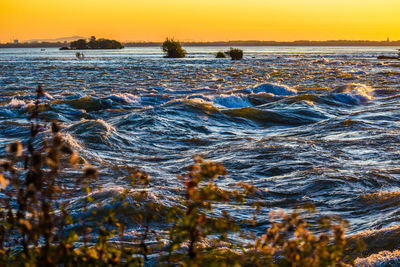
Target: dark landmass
<point>273,43</point>
<point>388,57</point>
<point>93,43</point>
<point>34,45</point>
<point>81,44</point>
<point>220,43</point>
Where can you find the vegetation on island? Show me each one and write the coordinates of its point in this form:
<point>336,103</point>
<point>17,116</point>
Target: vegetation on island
<point>37,227</point>
<point>220,54</point>
<point>93,43</point>
<point>353,43</point>
<point>235,53</point>
<point>173,49</point>
<point>391,57</point>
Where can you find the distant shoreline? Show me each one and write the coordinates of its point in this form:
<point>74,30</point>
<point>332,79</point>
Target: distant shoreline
<point>221,44</point>
<point>272,43</point>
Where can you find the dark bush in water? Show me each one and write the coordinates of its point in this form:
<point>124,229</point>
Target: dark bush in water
<point>235,53</point>
<point>221,55</point>
<point>173,49</point>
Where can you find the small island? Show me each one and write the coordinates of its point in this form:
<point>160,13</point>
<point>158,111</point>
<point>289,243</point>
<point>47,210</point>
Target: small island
<point>93,43</point>
<point>391,57</point>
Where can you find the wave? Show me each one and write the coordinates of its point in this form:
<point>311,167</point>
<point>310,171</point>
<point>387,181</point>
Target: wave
<point>260,94</point>
<point>70,140</point>
<point>287,116</point>
<point>86,103</point>
<point>273,89</point>
<point>382,197</point>
<point>353,93</point>
<point>357,72</point>
<point>325,61</point>
<point>124,97</point>
<point>90,103</point>
<point>108,198</point>
<point>232,101</point>
<point>197,103</point>
<point>376,242</point>
<point>381,259</point>
<point>18,103</point>
<point>28,101</point>
<point>93,131</point>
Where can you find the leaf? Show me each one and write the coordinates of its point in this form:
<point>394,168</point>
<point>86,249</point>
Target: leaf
<point>3,182</point>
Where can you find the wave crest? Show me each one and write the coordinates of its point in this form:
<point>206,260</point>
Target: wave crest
<point>353,93</point>
<point>274,89</point>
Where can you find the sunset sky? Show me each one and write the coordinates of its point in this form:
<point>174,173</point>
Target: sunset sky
<point>153,20</point>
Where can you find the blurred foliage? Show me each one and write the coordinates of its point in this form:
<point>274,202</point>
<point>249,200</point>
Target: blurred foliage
<point>173,49</point>
<point>37,229</point>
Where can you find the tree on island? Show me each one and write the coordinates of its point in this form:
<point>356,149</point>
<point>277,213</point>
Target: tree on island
<point>173,49</point>
<point>235,53</point>
<point>95,44</point>
<point>220,54</point>
<point>79,44</point>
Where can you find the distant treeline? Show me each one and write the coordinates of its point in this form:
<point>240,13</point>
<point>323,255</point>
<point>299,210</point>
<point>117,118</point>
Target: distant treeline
<point>273,43</point>
<point>34,45</point>
<point>94,43</point>
<point>222,43</point>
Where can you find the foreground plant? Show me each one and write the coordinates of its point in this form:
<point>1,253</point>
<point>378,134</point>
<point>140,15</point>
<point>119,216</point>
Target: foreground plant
<point>199,237</point>
<point>35,226</point>
<point>192,222</point>
<point>289,241</point>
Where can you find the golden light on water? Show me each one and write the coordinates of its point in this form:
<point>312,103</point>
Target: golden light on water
<point>153,20</point>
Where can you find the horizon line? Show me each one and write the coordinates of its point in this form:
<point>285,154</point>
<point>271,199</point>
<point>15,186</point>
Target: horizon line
<point>54,40</point>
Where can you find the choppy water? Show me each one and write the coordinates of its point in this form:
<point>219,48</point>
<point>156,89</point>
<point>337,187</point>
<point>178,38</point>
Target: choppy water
<point>312,124</point>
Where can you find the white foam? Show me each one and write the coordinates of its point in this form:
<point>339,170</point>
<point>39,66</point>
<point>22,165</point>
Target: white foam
<point>197,100</point>
<point>377,232</point>
<point>124,97</point>
<point>274,89</point>
<point>74,96</point>
<point>100,125</point>
<point>321,61</point>
<point>381,259</point>
<point>72,141</point>
<point>15,103</point>
<point>47,96</point>
<point>232,101</point>
<point>199,96</point>
<point>107,126</point>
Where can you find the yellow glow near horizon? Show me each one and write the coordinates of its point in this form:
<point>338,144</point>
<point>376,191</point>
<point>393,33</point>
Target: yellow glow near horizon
<point>153,20</point>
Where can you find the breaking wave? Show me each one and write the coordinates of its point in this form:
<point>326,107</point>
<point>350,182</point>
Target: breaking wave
<point>353,93</point>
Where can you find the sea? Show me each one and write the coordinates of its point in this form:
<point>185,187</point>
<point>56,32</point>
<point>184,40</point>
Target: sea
<point>304,125</point>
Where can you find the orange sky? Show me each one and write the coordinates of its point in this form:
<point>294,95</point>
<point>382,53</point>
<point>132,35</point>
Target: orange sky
<point>201,20</point>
